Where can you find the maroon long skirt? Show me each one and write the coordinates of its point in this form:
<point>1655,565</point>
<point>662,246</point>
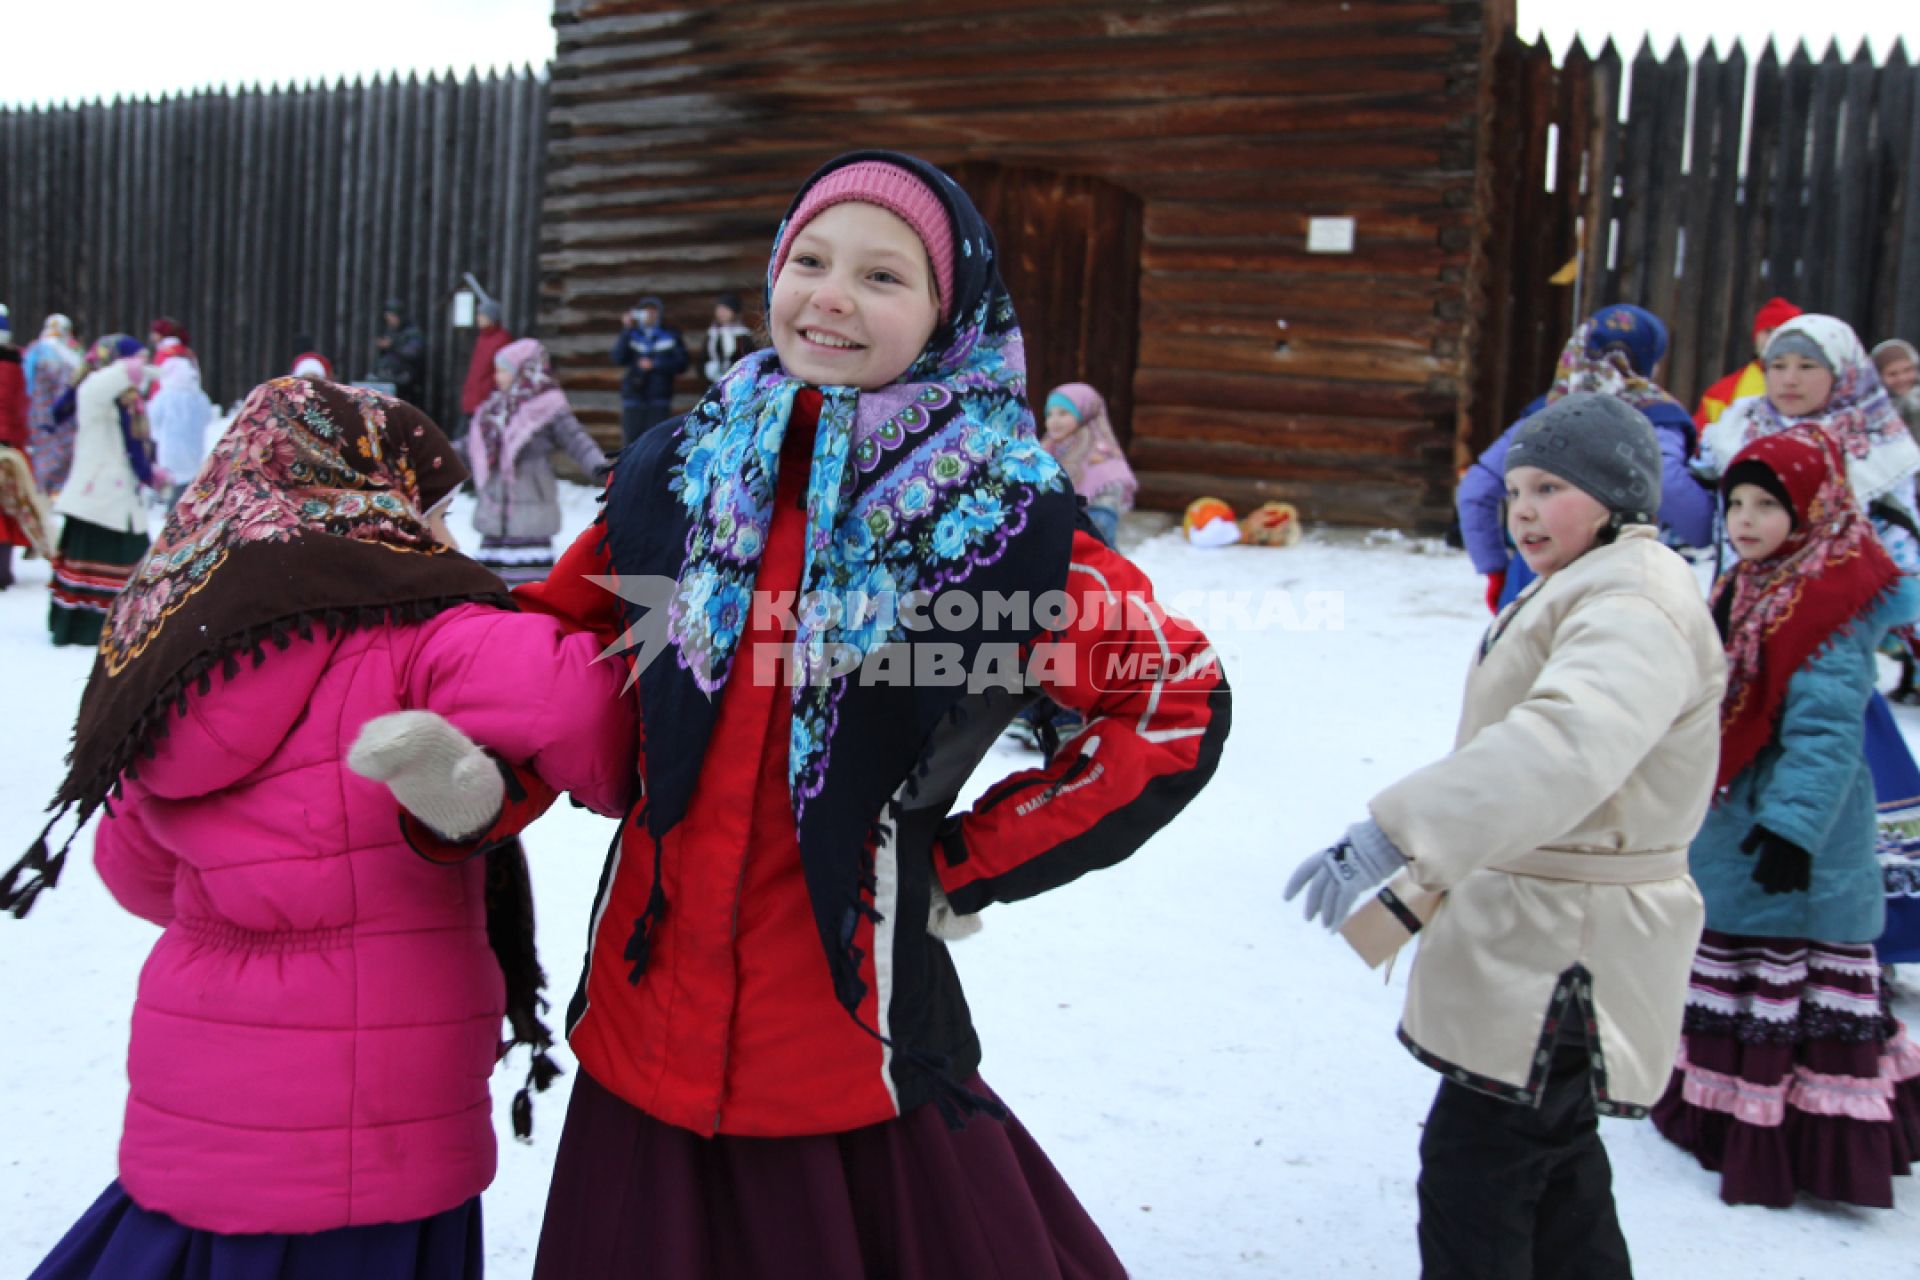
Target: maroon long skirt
<point>910,1199</point>
<point>1794,1075</point>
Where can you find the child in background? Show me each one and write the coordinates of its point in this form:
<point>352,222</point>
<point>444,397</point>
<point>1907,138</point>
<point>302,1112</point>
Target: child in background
<point>179,415</point>
<point>1615,352</point>
<point>1793,1075</point>
<point>1817,374</point>
<point>1081,440</point>
<point>1750,379</point>
<point>25,521</point>
<point>1899,367</point>
<point>510,447</point>
<point>52,364</point>
<point>317,1021</point>
<point>779,1074</point>
<point>1550,976</point>
<point>728,340</point>
<point>104,536</point>
<point>651,355</point>
<point>18,500</point>
<point>491,335</point>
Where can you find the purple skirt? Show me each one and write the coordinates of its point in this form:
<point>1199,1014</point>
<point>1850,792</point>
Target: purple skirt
<point>118,1240</point>
<point>909,1199</point>
<point>1794,1075</point>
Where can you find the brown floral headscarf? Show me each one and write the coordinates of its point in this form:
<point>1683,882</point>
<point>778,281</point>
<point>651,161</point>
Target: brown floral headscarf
<point>311,509</point>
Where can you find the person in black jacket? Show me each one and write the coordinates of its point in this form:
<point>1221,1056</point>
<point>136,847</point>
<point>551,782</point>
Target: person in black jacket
<point>402,353</point>
<point>653,355</point>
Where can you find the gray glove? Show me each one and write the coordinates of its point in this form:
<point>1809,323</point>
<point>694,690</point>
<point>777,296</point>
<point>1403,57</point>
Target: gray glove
<point>1341,873</point>
<point>434,771</point>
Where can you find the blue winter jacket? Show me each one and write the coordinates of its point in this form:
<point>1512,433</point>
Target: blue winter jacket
<point>669,354</point>
<point>1811,785</point>
<point>1686,507</point>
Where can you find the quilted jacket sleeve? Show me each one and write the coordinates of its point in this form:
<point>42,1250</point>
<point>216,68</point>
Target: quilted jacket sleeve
<point>535,694</point>
<point>136,870</point>
<point>1157,709</point>
<point>1819,738</point>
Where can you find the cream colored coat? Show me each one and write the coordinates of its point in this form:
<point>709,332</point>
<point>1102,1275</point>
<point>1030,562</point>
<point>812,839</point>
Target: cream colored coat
<point>1558,830</point>
<point>102,488</point>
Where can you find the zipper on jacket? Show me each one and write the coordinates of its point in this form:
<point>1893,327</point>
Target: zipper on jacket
<point>733,941</point>
<point>1053,785</point>
<point>1007,790</point>
<point>1079,766</point>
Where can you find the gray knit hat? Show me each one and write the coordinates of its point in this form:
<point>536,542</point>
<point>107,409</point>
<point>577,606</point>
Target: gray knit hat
<point>1597,443</point>
<point>1796,342</point>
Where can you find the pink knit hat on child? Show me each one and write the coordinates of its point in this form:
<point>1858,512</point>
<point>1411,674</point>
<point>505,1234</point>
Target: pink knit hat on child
<point>892,188</point>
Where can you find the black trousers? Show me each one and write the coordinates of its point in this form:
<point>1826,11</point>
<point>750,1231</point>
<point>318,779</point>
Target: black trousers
<point>1509,1192</point>
<point>637,419</point>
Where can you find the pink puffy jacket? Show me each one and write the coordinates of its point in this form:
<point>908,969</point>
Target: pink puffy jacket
<point>315,1029</point>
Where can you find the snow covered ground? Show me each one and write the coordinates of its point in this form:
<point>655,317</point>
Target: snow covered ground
<point>1217,1080</point>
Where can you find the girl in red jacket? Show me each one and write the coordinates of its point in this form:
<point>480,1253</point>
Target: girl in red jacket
<point>840,576</point>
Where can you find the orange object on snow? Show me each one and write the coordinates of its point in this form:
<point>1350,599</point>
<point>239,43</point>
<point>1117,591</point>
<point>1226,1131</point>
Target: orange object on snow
<point>1209,522</point>
<point>1274,524</point>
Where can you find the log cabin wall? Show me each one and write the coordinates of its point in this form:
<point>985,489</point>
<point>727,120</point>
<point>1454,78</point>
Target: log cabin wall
<point>1199,138</point>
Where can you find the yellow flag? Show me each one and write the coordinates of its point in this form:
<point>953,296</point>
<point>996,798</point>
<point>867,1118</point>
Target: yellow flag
<point>1567,274</point>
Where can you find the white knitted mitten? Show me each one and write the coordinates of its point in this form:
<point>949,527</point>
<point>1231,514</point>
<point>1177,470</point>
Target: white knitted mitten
<point>944,922</point>
<point>434,771</point>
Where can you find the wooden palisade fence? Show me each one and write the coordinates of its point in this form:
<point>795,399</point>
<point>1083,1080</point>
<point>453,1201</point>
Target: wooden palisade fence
<point>258,216</point>
<point>1690,210</point>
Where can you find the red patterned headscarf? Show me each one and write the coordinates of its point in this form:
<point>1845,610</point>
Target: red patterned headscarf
<point>1781,611</point>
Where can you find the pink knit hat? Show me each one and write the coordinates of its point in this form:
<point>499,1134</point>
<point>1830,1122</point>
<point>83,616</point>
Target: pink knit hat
<point>898,192</point>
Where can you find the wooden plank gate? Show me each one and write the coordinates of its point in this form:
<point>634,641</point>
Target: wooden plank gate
<point>1725,184</point>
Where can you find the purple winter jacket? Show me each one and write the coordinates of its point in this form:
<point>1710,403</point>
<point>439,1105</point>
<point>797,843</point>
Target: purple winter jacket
<point>1686,506</point>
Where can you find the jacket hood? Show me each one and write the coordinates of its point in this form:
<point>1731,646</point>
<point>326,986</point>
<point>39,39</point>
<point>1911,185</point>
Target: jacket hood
<point>235,726</point>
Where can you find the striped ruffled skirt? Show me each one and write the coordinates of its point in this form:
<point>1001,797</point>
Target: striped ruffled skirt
<point>1794,1075</point>
<point>91,567</point>
<point>517,560</point>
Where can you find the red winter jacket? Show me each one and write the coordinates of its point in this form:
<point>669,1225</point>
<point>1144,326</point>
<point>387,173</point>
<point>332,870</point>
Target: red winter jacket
<point>732,1025</point>
<point>13,398</point>
<point>479,384</point>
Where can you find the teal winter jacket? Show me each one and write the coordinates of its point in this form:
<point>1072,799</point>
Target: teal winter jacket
<point>1810,785</point>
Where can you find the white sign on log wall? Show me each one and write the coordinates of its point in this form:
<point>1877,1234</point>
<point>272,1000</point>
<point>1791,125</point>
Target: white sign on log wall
<point>1329,235</point>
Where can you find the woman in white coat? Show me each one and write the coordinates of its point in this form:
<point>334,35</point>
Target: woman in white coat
<point>179,414</point>
<point>1548,857</point>
<point>104,538</point>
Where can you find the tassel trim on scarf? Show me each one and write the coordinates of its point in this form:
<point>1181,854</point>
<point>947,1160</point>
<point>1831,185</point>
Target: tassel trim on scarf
<point>40,873</point>
<point>37,872</point>
<point>639,950</point>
